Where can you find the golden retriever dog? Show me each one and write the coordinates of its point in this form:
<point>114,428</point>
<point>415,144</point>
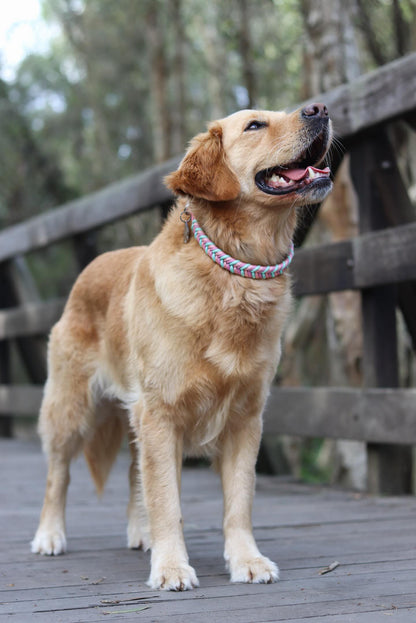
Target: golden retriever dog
<point>177,343</point>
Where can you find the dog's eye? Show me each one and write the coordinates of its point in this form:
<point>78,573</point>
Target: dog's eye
<point>255,125</point>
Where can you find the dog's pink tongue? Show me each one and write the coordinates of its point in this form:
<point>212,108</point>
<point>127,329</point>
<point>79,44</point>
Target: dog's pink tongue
<point>295,174</point>
<point>298,174</point>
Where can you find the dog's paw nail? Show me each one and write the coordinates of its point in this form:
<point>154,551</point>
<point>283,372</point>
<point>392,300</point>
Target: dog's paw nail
<point>49,543</point>
<point>181,578</point>
<point>257,571</point>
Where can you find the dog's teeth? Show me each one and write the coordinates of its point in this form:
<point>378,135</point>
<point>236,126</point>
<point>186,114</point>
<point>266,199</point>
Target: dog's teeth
<point>277,179</point>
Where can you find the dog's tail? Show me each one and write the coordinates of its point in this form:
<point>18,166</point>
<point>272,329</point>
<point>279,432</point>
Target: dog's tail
<point>101,450</point>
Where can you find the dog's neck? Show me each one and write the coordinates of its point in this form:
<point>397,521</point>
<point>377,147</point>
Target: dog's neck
<point>256,235</point>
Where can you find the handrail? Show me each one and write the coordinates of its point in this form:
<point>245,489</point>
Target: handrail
<point>377,97</point>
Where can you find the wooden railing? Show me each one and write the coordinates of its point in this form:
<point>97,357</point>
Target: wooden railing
<point>380,262</point>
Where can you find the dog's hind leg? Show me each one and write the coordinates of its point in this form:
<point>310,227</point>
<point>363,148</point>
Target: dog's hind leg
<point>138,535</point>
<point>61,424</point>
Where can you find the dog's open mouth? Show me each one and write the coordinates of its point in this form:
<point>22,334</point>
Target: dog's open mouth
<point>298,175</point>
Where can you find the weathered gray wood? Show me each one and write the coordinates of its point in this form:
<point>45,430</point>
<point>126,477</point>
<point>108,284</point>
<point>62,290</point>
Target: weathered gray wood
<point>19,288</point>
<point>379,257</point>
<point>387,256</point>
<point>398,209</point>
<point>6,300</point>
<point>30,319</point>
<point>381,95</point>
<point>6,421</point>
<point>119,200</point>
<point>389,468</point>
<point>368,260</point>
<point>323,269</point>
<point>85,246</point>
<point>378,415</point>
<point>20,399</point>
<point>303,528</point>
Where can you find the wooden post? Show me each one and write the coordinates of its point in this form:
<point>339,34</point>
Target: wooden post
<point>85,247</point>
<point>389,466</point>
<point>22,289</point>
<point>399,210</point>
<point>6,421</point>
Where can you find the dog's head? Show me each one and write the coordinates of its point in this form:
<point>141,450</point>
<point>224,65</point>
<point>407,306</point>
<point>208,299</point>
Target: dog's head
<point>270,157</point>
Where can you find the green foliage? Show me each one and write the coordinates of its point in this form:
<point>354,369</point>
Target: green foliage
<point>310,469</point>
<point>89,102</point>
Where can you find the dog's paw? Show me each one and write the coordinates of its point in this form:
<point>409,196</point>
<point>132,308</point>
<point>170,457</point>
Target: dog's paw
<point>137,536</point>
<point>49,542</point>
<point>259,570</point>
<point>167,578</point>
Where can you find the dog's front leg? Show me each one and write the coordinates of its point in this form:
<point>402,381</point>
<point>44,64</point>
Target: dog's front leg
<point>237,464</point>
<point>161,462</point>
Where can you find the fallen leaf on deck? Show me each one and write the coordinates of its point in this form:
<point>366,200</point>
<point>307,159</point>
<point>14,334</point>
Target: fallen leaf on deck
<point>329,568</point>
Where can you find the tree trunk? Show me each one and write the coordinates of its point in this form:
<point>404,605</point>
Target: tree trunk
<point>178,80</point>
<point>216,60</point>
<point>160,110</point>
<point>246,53</point>
<point>330,52</point>
<point>331,58</point>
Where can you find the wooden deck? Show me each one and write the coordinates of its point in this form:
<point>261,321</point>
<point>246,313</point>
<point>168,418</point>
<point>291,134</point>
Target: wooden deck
<point>303,528</point>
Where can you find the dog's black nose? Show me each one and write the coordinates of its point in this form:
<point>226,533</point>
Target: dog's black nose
<point>315,110</point>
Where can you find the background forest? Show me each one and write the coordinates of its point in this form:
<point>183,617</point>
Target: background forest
<point>123,85</point>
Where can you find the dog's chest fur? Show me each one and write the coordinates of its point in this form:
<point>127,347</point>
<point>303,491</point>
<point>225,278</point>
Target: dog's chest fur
<point>218,346</point>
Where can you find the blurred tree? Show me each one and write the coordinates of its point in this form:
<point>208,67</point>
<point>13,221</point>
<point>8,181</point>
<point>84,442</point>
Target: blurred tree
<point>29,180</point>
<point>388,28</point>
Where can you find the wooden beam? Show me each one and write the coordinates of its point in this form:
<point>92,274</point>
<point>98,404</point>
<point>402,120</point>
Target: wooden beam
<point>376,97</point>
<point>376,415</point>
<point>387,256</point>
<point>368,260</point>
<point>119,200</point>
<point>30,319</point>
<point>323,269</point>
<point>375,258</point>
<point>20,400</point>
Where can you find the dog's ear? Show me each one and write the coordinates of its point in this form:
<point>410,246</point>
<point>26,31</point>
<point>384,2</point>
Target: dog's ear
<point>204,171</point>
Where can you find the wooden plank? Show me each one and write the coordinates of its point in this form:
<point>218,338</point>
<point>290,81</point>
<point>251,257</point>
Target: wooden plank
<point>6,300</point>
<point>368,260</point>
<point>376,258</point>
<point>304,528</point>
<point>387,256</point>
<point>85,247</point>
<point>374,98</point>
<point>378,415</point>
<point>30,319</point>
<point>20,399</point>
<point>323,269</point>
<point>119,200</point>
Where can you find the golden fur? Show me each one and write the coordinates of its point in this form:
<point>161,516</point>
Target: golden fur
<point>163,342</point>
